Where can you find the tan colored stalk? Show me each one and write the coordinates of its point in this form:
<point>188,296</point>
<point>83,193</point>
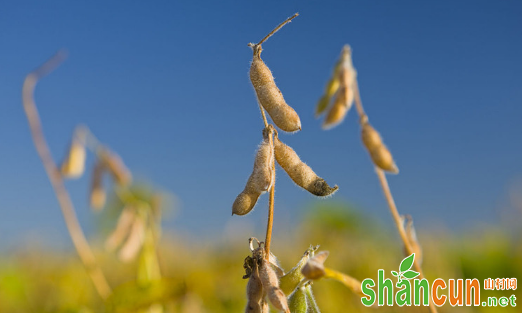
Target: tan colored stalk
<point>389,197</point>
<point>270,222</point>
<point>69,215</point>
<point>277,28</point>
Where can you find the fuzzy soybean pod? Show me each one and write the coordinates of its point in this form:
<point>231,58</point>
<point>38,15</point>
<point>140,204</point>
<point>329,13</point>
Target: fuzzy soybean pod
<point>270,283</point>
<point>297,301</point>
<point>340,107</point>
<point>260,181</point>
<point>254,291</point>
<point>299,172</point>
<point>269,95</point>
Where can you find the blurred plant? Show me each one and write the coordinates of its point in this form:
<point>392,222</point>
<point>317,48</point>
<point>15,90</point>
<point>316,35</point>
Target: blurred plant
<point>344,90</point>
<point>267,280</point>
<point>137,230</point>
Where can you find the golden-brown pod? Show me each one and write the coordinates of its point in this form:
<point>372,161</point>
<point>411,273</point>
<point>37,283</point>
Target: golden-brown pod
<point>261,179</point>
<point>341,105</point>
<point>299,172</point>
<point>330,90</point>
<point>378,151</point>
<point>370,137</point>
<point>73,165</point>
<point>269,95</point>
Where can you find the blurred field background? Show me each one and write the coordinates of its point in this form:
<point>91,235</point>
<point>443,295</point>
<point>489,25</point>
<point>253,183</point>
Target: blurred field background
<point>165,85</point>
<point>207,275</point>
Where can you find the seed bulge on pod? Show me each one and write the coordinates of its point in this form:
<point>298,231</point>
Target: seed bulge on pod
<point>299,172</point>
<point>269,95</point>
<point>260,180</point>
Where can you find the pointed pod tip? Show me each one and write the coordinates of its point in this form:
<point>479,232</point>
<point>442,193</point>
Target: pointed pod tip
<point>394,169</point>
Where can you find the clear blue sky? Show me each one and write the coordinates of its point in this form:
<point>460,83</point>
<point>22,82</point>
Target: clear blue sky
<point>166,85</point>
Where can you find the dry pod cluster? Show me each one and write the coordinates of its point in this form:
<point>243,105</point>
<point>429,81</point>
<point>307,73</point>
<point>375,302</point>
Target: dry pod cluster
<point>378,151</point>
<point>259,269</point>
<point>340,88</point>
<point>261,179</point>
<point>299,171</point>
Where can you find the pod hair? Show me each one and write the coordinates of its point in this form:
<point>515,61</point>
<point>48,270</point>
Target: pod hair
<point>378,151</point>
<point>268,94</point>
<point>261,179</point>
<point>299,172</point>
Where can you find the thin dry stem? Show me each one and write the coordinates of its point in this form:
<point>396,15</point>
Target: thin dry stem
<point>277,28</point>
<point>263,114</point>
<point>357,99</point>
<point>73,226</point>
<point>270,221</point>
<point>388,195</point>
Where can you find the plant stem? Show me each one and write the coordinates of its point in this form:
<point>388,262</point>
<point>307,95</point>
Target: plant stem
<point>270,221</point>
<point>277,28</point>
<point>346,280</point>
<point>69,215</point>
<point>388,195</point>
<point>263,115</point>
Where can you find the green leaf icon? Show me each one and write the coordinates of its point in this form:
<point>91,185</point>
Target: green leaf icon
<point>410,274</point>
<point>407,263</point>
<point>394,273</point>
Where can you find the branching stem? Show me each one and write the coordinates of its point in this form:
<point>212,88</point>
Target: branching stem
<point>73,226</point>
